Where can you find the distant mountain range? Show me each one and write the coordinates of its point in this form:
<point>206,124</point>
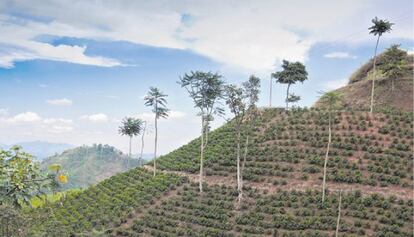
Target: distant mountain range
<point>40,149</point>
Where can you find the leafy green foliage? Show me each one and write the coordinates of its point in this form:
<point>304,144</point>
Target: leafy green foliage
<point>157,100</point>
<point>205,89</point>
<point>21,178</point>
<point>380,26</point>
<point>292,72</point>
<point>131,127</point>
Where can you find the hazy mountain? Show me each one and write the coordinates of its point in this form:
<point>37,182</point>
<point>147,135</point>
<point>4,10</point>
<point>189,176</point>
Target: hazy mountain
<point>41,149</point>
<point>88,165</point>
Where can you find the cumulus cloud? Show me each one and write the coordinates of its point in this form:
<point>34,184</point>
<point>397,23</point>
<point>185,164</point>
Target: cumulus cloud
<point>60,102</point>
<point>252,35</point>
<point>25,117</point>
<point>339,55</point>
<point>98,118</point>
<point>34,121</point>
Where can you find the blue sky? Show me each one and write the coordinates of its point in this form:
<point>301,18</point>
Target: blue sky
<point>72,79</point>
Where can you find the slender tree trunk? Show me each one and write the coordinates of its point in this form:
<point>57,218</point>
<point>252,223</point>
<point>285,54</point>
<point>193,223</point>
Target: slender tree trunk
<point>374,77</point>
<point>142,144</point>
<point>156,137</point>
<point>239,187</point>
<point>242,168</point>
<point>201,155</point>
<point>392,85</point>
<point>129,156</point>
<point>206,132</point>
<point>287,97</point>
<point>339,213</point>
<point>270,95</point>
<point>326,159</point>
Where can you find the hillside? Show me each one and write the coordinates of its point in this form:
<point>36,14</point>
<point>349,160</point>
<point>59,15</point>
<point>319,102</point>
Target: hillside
<point>88,165</point>
<point>394,85</point>
<point>371,161</point>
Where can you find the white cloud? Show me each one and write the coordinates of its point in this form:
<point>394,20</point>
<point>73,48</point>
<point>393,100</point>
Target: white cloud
<point>172,115</point>
<point>335,84</point>
<point>340,55</point>
<point>252,35</point>
<point>60,102</point>
<point>63,53</point>
<point>59,125</point>
<point>25,117</point>
<point>57,120</point>
<point>100,117</point>
<point>54,125</point>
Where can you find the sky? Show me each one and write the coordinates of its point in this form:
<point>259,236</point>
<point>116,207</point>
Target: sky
<point>71,70</point>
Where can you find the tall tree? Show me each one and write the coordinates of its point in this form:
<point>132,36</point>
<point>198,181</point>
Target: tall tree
<point>252,90</point>
<point>292,72</point>
<point>380,27</point>
<point>394,64</point>
<point>330,100</point>
<point>235,99</point>
<point>206,90</point>
<point>130,127</point>
<point>157,100</point>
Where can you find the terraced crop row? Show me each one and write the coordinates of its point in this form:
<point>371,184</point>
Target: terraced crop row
<point>214,213</point>
<point>108,204</point>
<point>369,150</point>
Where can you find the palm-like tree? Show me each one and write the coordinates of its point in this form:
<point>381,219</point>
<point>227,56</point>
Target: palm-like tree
<point>130,127</point>
<point>380,27</point>
<point>157,100</point>
<point>331,100</point>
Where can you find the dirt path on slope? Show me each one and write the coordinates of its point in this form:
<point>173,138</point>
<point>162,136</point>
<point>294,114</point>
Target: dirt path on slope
<point>300,185</point>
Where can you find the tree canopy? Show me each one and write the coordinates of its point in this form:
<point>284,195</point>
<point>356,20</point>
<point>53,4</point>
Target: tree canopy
<point>131,126</point>
<point>206,89</point>
<point>291,73</point>
<point>380,26</point>
<point>157,100</point>
<point>21,178</point>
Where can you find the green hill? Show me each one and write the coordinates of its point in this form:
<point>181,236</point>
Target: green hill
<point>394,83</point>
<point>371,161</point>
<point>88,165</point>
